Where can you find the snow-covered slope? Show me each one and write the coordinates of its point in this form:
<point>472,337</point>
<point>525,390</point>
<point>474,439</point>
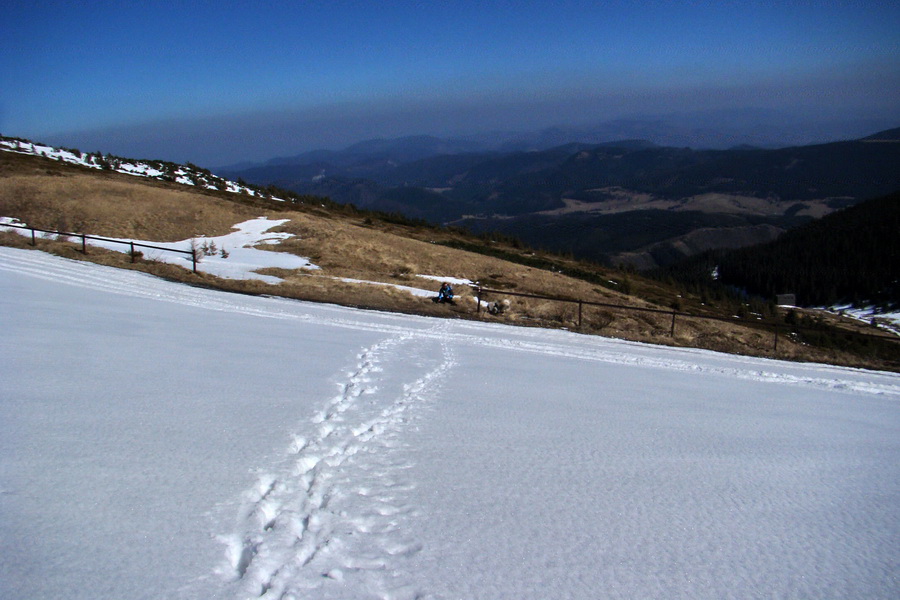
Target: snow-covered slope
<point>163,441</point>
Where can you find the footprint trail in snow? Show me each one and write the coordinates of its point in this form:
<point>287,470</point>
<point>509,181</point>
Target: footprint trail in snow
<point>332,517</point>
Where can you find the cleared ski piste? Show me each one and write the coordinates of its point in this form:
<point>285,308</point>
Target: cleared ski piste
<point>163,441</point>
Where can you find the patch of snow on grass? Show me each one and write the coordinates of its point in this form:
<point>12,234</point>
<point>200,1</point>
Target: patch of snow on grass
<point>183,175</point>
<point>231,256</point>
<point>412,290</point>
<point>244,258</point>
<point>889,320</point>
<point>450,280</point>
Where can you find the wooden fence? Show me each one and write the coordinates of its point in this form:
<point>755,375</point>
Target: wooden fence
<point>132,245</point>
<point>776,328</point>
<point>480,292</point>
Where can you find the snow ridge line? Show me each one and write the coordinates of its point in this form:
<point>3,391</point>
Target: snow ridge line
<point>289,519</point>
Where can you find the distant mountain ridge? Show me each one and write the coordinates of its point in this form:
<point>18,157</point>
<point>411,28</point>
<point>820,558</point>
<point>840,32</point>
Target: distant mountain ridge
<point>629,201</point>
<point>715,129</point>
<point>890,135</point>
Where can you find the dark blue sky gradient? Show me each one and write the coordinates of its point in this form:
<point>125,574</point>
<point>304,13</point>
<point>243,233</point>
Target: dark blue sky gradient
<point>223,81</point>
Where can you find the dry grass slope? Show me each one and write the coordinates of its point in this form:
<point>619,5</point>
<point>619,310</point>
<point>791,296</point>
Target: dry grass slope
<point>50,195</point>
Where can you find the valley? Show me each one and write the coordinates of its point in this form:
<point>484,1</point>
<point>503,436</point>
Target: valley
<point>610,202</point>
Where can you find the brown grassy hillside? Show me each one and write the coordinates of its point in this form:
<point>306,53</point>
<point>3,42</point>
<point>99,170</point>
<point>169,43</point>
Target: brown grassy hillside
<point>348,244</point>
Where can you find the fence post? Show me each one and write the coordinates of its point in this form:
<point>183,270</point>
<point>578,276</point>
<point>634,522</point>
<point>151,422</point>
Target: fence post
<point>83,244</point>
<point>775,349</point>
<point>672,332</point>
<point>132,251</point>
<point>194,258</point>
<point>478,301</point>
<point>33,240</point>
<point>580,303</point>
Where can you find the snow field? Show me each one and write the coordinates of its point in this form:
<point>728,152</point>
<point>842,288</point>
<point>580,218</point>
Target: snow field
<point>327,510</point>
<point>607,484</point>
<point>162,441</point>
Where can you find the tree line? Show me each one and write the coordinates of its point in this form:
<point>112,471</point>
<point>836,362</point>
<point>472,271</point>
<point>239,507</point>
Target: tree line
<point>850,256</point>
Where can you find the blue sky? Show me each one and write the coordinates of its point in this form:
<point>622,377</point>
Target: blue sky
<point>219,81</point>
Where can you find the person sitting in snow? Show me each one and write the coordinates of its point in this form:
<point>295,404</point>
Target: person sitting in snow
<point>445,294</point>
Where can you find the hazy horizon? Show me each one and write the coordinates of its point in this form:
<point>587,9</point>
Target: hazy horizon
<point>221,83</point>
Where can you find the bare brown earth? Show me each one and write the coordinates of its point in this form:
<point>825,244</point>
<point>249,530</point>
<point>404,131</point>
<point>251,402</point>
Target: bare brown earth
<point>348,244</point>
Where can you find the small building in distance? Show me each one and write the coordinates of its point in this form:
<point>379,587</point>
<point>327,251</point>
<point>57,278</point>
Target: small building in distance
<point>786,300</point>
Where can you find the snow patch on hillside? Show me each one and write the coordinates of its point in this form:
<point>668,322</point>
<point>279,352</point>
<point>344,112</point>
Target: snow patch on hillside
<point>236,255</point>
<point>162,170</point>
<point>889,320</point>
<point>450,280</point>
<point>412,290</point>
<point>232,256</point>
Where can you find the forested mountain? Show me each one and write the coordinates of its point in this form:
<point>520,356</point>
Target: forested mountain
<point>628,202</point>
<point>850,256</point>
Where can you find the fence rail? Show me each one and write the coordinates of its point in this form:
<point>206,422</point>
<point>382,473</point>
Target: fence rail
<point>776,328</point>
<point>84,237</point>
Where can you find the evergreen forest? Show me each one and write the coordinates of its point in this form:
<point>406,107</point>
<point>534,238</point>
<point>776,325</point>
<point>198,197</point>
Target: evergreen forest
<point>850,256</point>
